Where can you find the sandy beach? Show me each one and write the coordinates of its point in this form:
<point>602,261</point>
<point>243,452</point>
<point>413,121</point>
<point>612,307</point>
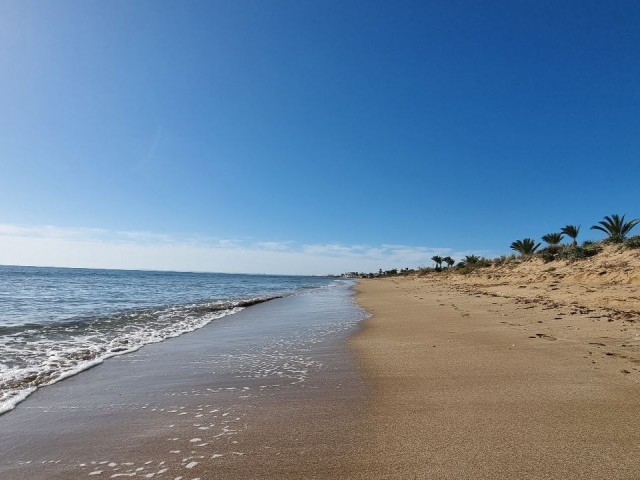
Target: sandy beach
<point>527,371</point>
<point>475,377</point>
<point>309,240</point>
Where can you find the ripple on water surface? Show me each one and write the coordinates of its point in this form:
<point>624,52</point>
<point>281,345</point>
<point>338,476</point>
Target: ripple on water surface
<point>56,322</point>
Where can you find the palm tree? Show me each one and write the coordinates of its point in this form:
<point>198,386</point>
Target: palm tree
<point>615,227</point>
<point>470,259</point>
<point>526,246</point>
<point>552,238</point>
<point>449,261</point>
<point>571,231</point>
<point>438,259</point>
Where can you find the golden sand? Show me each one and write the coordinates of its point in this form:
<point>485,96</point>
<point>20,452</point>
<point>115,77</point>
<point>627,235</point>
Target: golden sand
<point>527,371</point>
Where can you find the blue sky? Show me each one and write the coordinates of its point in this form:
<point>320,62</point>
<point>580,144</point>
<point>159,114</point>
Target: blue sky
<point>304,136</point>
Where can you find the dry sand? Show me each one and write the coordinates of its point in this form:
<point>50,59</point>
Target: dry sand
<point>516,372</point>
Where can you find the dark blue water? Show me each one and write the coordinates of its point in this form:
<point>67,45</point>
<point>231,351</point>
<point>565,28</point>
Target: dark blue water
<point>55,322</point>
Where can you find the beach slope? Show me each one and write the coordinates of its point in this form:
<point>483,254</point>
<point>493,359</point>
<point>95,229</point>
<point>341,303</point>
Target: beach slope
<point>468,384</point>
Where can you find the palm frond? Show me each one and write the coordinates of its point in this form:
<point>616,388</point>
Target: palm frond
<point>526,246</point>
<point>553,238</point>
<point>615,227</point>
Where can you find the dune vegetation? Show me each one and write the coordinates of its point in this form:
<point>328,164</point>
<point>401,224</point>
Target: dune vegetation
<point>616,228</point>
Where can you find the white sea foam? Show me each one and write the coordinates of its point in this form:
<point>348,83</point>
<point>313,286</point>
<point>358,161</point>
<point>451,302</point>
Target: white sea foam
<point>66,321</point>
<point>30,363</point>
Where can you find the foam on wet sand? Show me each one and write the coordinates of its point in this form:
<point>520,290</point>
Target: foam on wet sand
<point>250,395</point>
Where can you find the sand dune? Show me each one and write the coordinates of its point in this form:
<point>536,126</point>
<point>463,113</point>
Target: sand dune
<point>592,299</point>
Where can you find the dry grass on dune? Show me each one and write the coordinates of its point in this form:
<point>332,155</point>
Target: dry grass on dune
<point>607,283</point>
<point>613,265</point>
<point>592,303</point>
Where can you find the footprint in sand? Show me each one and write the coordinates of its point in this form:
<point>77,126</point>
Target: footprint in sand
<point>545,336</point>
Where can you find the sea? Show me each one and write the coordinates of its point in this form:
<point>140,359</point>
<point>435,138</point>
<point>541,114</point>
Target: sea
<point>57,322</point>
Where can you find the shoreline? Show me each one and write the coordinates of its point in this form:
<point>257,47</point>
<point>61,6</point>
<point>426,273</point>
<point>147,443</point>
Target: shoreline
<point>270,392</point>
<point>471,386</point>
<point>441,381</point>
<point>231,309</point>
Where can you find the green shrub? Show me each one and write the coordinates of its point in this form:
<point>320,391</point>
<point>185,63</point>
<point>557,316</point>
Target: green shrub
<point>501,260</point>
<point>633,242</point>
<point>569,252</point>
<point>551,252</point>
<point>476,262</point>
<point>575,252</point>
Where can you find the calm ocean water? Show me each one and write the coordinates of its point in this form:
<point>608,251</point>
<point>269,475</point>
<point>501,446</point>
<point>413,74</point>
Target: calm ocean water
<point>56,322</point>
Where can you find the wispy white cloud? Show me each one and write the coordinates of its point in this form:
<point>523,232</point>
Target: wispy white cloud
<point>274,246</point>
<point>51,231</point>
<point>98,248</point>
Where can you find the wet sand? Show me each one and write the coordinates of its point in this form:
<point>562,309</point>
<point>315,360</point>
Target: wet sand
<point>270,392</point>
<point>475,386</point>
